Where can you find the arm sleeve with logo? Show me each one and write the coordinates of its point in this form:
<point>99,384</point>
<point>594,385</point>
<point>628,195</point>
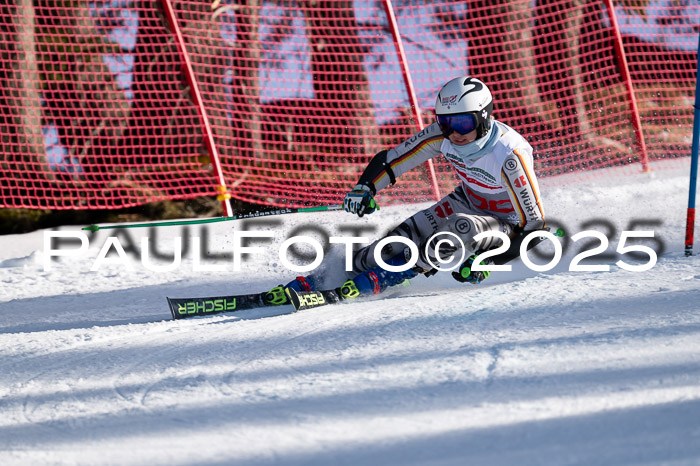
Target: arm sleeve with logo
<point>519,177</point>
<point>386,166</point>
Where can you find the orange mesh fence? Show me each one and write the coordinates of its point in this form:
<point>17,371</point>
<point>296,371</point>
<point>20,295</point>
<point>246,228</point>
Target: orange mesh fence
<point>97,112</point>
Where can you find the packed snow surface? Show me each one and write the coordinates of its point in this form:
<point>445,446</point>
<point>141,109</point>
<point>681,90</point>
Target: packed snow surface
<point>554,367</point>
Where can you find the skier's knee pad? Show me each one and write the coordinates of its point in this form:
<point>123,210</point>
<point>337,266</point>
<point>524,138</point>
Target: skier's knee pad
<point>438,250</point>
<point>456,237</point>
<point>457,234</point>
<point>465,227</point>
<point>468,226</point>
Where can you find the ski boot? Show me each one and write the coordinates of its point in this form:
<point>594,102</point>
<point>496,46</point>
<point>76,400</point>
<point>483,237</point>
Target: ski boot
<point>376,279</point>
<point>277,296</point>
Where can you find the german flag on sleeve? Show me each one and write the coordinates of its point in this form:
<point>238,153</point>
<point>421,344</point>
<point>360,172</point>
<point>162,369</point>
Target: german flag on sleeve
<point>522,188</point>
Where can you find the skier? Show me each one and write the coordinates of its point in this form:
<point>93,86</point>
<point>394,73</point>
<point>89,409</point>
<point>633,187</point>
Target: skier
<point>498,191</point>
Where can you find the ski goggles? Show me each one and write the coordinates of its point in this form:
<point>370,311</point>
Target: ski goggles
<point>463,123</point>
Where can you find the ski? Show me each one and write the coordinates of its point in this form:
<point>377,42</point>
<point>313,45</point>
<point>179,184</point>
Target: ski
<point>309,299</point>
<point>181,308</point>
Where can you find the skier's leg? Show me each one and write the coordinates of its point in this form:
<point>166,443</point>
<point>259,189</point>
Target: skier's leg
<point>422,224</point>
<point>417,229</point>
<point>464,227</point>
<point>371,278</point>
<point>452,213</point>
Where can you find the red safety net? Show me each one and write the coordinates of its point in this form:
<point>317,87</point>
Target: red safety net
<point>97,109</point>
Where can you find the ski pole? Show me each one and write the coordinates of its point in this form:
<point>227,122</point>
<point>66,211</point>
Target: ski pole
<point>269,213</point>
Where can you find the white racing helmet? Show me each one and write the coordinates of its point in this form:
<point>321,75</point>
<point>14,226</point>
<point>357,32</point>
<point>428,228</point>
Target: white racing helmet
<point>462,105</point>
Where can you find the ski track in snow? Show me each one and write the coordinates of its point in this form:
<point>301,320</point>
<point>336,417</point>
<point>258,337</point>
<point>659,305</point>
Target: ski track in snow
<point>557,367</point>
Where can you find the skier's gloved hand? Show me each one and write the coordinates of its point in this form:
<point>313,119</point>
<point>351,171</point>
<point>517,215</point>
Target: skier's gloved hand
<point>360,201</point>
<point>465,274</point>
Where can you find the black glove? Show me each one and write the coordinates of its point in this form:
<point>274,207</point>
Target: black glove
<point>360,201</point>
<point>465,274</point>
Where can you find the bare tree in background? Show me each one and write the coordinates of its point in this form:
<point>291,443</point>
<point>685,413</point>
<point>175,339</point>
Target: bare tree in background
<point>337,64</point>
<point>162,120</point>
<point>245,90</point>
<point>210,59</point>
<point>82,98</point>
<point>20,100</point>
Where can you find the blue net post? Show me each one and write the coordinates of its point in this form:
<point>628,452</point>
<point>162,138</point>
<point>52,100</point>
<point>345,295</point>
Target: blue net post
<point>690,222</point>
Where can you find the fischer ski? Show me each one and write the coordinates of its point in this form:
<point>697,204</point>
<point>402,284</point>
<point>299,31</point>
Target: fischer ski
<point>181,308</point>
<point>302,300</point>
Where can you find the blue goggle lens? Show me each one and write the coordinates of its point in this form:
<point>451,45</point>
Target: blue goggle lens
<point>463,124</point>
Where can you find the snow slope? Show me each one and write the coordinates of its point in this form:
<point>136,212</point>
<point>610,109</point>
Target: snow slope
<point>559,367</point>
